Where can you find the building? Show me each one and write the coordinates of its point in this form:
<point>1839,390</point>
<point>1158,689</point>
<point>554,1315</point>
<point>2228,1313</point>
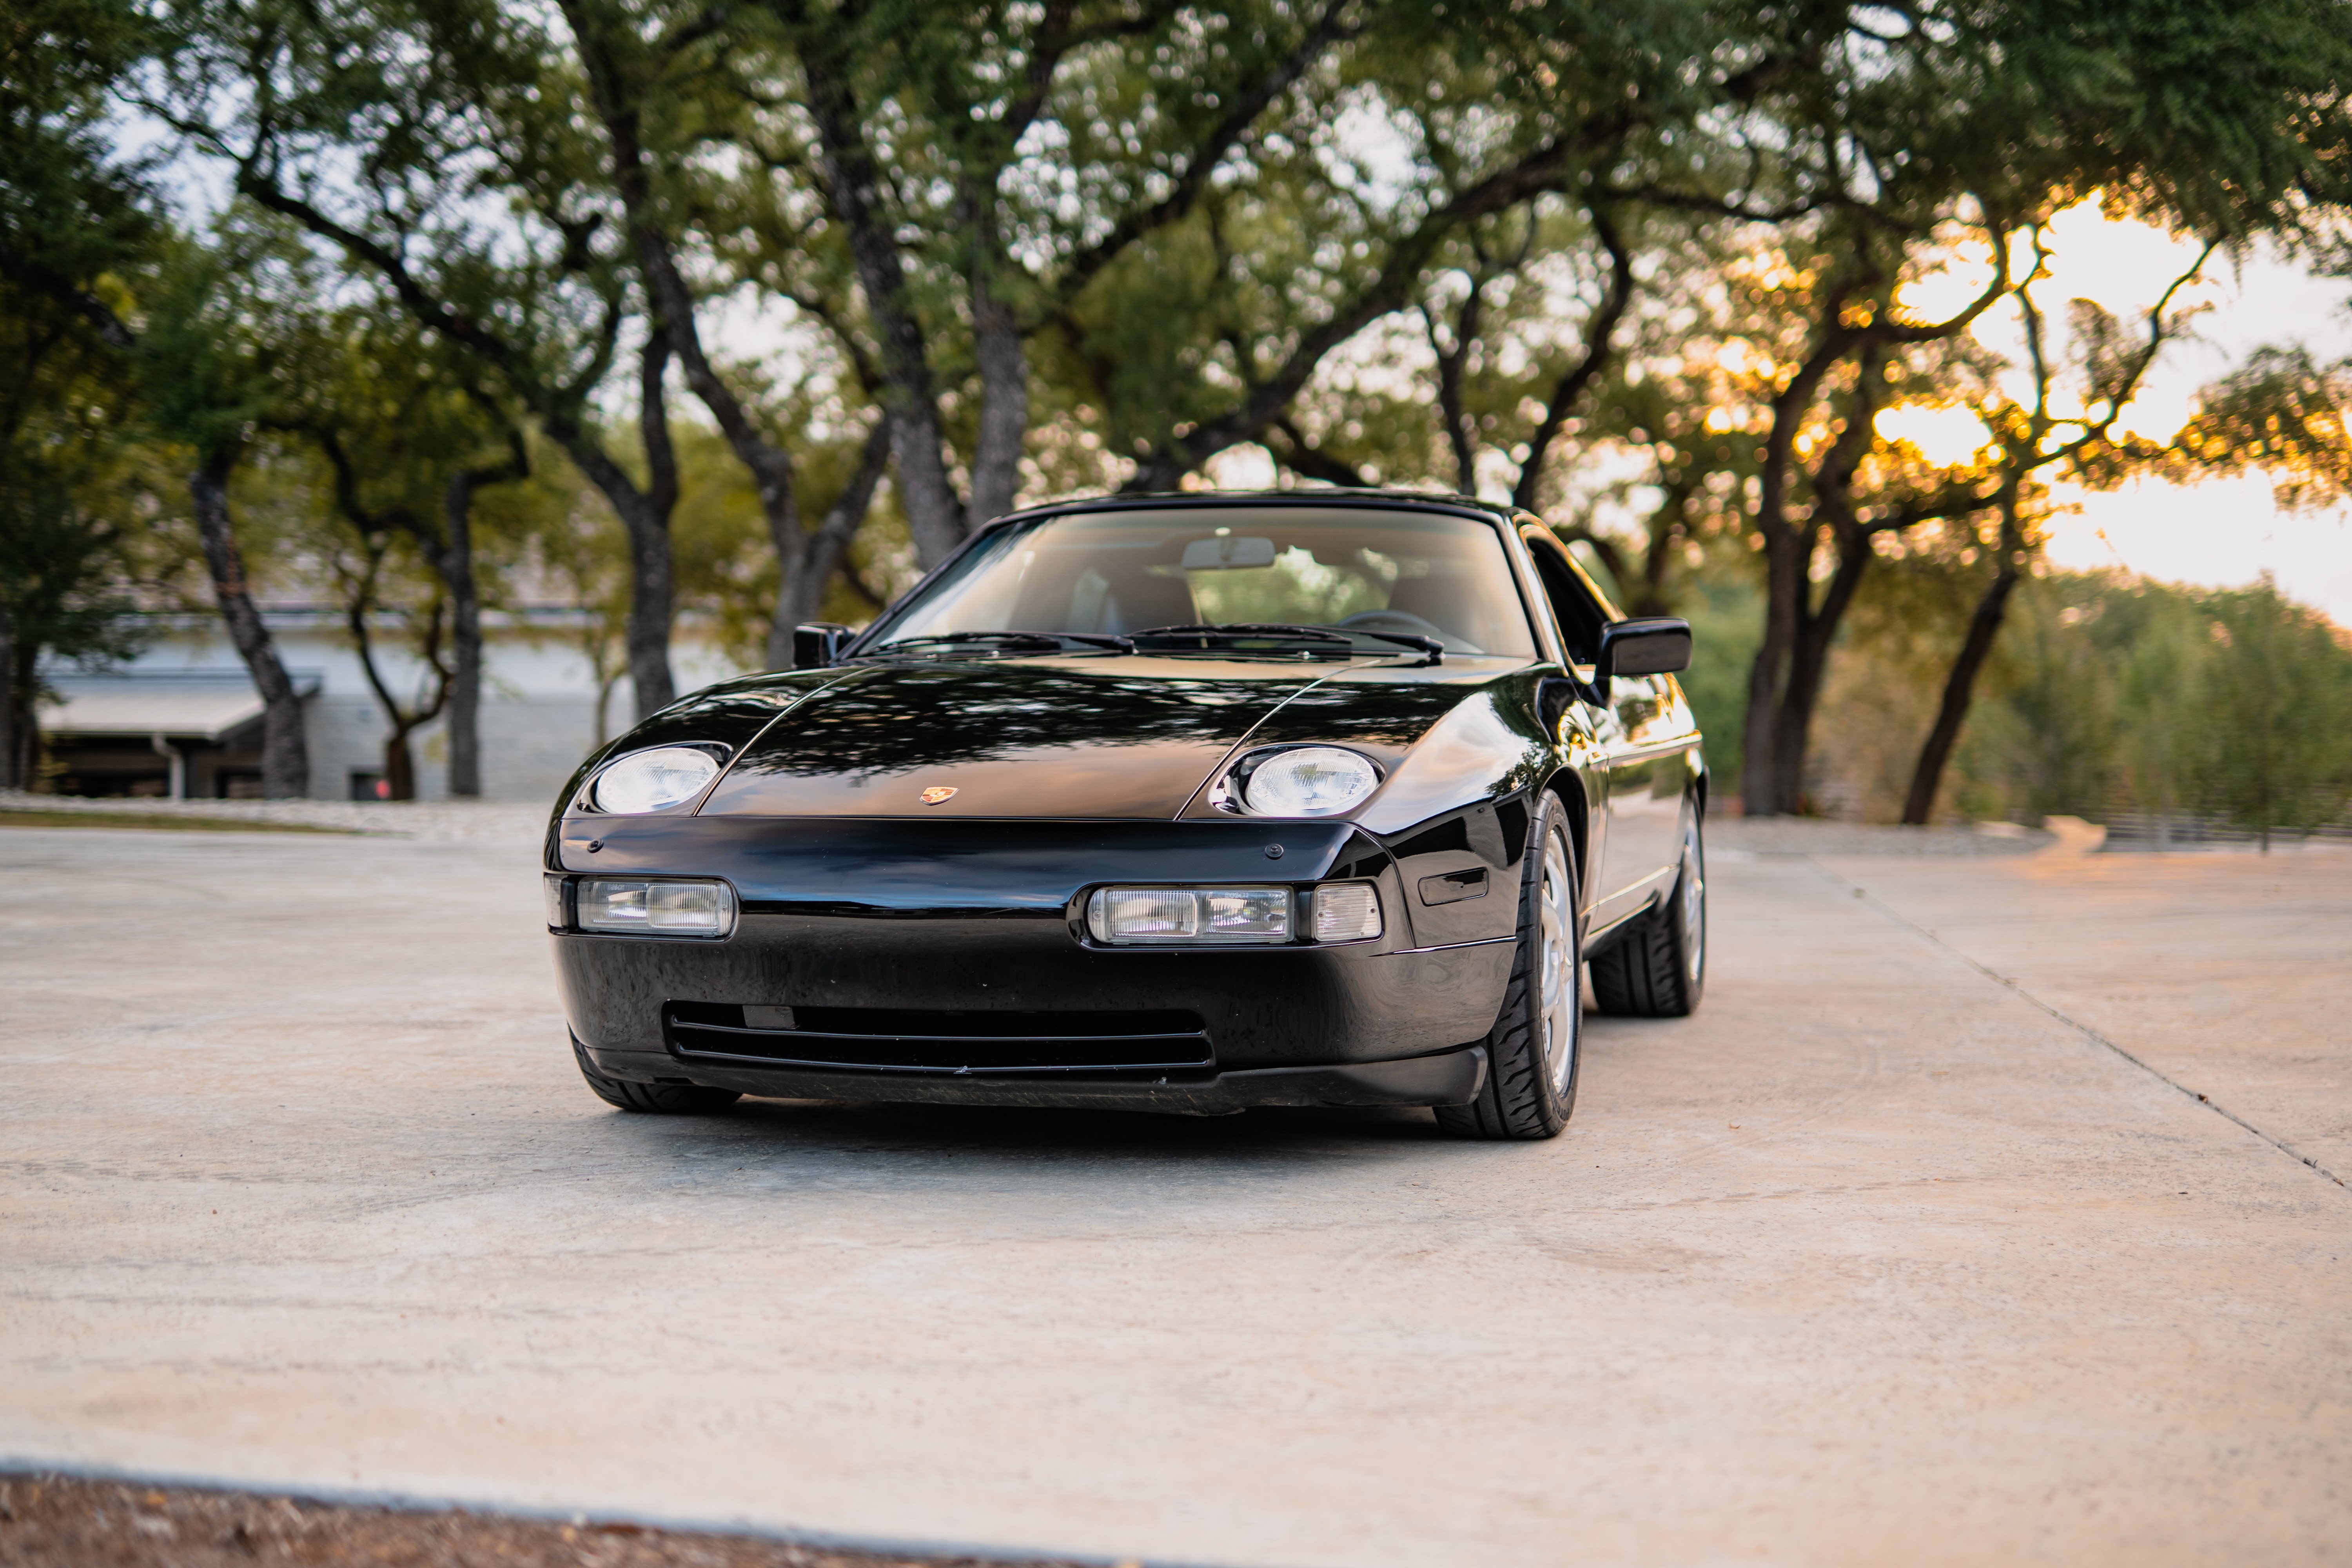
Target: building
<point>184,721</point>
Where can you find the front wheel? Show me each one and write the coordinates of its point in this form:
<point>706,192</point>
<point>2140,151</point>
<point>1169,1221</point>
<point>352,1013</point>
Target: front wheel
<point>1658,968</point>
<point>652,1098</point>
<point>1533,1053</point>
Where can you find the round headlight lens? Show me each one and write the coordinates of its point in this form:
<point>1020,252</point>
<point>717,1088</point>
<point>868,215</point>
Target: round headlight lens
<point>650,781</point>
<point>1313,781</point>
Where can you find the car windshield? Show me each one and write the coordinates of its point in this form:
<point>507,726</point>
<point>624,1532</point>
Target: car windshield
<point>1386,579</point>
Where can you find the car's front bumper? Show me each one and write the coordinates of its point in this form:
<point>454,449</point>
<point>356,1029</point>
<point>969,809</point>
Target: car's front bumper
<point>1447,1078</point>
<point>961,931</point>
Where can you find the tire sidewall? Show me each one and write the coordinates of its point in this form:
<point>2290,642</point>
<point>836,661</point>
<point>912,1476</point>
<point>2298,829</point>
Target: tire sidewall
<point>1694,983</point>
<point>1552,816</point>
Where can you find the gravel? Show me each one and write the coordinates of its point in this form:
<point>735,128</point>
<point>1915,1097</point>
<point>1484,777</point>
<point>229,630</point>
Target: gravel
<point>57,1521</point>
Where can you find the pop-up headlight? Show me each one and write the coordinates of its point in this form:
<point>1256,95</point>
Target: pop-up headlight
<point>654,780</point>
<point>1308,780</point>
<point>1123,915</point>
<point>632,908</point>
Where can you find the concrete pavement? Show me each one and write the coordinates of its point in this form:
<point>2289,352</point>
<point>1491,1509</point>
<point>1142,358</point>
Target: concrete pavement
<point>1875,1260</point>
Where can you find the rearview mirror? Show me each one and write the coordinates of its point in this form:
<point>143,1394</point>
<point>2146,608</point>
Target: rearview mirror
<point>1224,553</point>
<point>1656,645</point>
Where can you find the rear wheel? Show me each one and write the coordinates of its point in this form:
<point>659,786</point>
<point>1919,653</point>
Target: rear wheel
<point>1532,1056</point>
<point>652,1098</point>
<point>1658,968</point>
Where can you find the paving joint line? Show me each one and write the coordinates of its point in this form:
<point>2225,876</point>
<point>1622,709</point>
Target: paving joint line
<point>2088,1033</point>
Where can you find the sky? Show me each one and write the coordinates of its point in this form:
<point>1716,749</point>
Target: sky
<point>2221,533</point>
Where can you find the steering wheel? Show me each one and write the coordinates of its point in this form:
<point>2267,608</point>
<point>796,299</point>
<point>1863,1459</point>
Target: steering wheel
<point>1392,621</point>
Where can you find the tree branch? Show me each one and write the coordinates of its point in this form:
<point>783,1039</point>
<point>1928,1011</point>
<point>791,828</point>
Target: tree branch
<point>1539,171</point>
<point>1598,350</point>
<point>1304,457</point>
<point>1222,137</point>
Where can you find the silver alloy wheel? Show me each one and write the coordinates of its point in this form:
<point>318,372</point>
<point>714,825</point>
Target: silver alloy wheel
<point>1694,906</point>
<point>1562,1007</point>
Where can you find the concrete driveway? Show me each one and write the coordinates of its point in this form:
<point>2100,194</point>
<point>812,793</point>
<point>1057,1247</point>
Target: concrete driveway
<point>1889,1256</point>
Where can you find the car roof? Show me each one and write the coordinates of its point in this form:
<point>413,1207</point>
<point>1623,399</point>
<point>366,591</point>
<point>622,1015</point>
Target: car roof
<point>1320,496</point>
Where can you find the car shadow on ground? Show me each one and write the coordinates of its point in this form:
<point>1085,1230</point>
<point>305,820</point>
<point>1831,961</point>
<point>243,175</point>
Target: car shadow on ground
<point>784,1130</point>
<point>817,1136</point>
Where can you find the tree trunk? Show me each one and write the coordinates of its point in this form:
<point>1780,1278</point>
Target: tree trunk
<point>1004,366</point>
<point>615,91</point>
<point>285,757</point>
<point>605,685</point>
<point>23,679</point>
<point>1808,662</point>
<point>810,559</point>
<point>1786,585</point>
<point>453,560</point>
<point>9,772</point>
<point>935,517</point>
<point>399,766</point>
<point>456,564</point>
<point>1959,691</point>
<point>399,761</point>
<point>645,517</point>
<point>645,633</point>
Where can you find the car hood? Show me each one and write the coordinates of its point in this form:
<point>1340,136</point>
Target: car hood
<point>1074,736</point>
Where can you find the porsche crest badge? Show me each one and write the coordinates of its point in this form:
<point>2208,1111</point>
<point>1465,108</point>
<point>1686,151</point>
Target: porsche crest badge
<point>938,793</point>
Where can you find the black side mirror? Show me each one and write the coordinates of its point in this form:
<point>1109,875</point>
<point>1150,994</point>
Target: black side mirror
<point>1656,645</point>
<point>818,643</point>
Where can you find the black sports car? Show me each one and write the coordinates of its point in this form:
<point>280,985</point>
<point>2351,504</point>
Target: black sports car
<point>1186,803</point>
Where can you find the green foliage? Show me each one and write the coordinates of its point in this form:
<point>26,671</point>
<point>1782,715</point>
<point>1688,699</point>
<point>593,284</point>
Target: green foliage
<point>2279,690</point>
<point>71,214</point>
<point>78,549</point>
<point>2115,694</point>
<point>1723,607</point>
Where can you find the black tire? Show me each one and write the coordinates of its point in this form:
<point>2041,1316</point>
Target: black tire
<point>1658,969</point>
<point>652,1098</point>
<point>1534,1053</point>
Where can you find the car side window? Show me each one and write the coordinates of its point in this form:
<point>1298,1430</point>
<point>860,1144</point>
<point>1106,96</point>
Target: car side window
<point>1580,618</point>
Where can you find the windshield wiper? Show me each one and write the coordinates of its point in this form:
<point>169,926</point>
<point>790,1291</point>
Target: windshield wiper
<point>1014,639</point>
<point>1413,640</point>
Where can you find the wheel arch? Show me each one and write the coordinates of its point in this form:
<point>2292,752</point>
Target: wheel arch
<point>1576,799</point>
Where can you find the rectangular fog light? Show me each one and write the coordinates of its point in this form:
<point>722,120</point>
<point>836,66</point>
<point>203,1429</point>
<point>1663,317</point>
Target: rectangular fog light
<point>656,909</point>
<point>1189,914</point>
<point>1347,912</point>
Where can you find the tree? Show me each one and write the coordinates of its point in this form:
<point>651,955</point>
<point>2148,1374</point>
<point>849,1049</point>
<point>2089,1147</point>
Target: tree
<point>210,360</point>
<point>2278,692</point>
<point>413,437</point>
<point>2027,441</point>
<point>657,83</point>
<point>1895,142</point>
<point>360,583</point>
<point>442,105</point>
<point>70,221</point>
<point>67,568</point>
<point>74,233</point>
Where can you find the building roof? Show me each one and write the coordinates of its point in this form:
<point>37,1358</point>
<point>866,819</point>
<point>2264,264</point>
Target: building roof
<point>191,704</point>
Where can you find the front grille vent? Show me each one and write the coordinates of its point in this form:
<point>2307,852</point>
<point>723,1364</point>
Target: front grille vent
<point>1115,1045</point>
